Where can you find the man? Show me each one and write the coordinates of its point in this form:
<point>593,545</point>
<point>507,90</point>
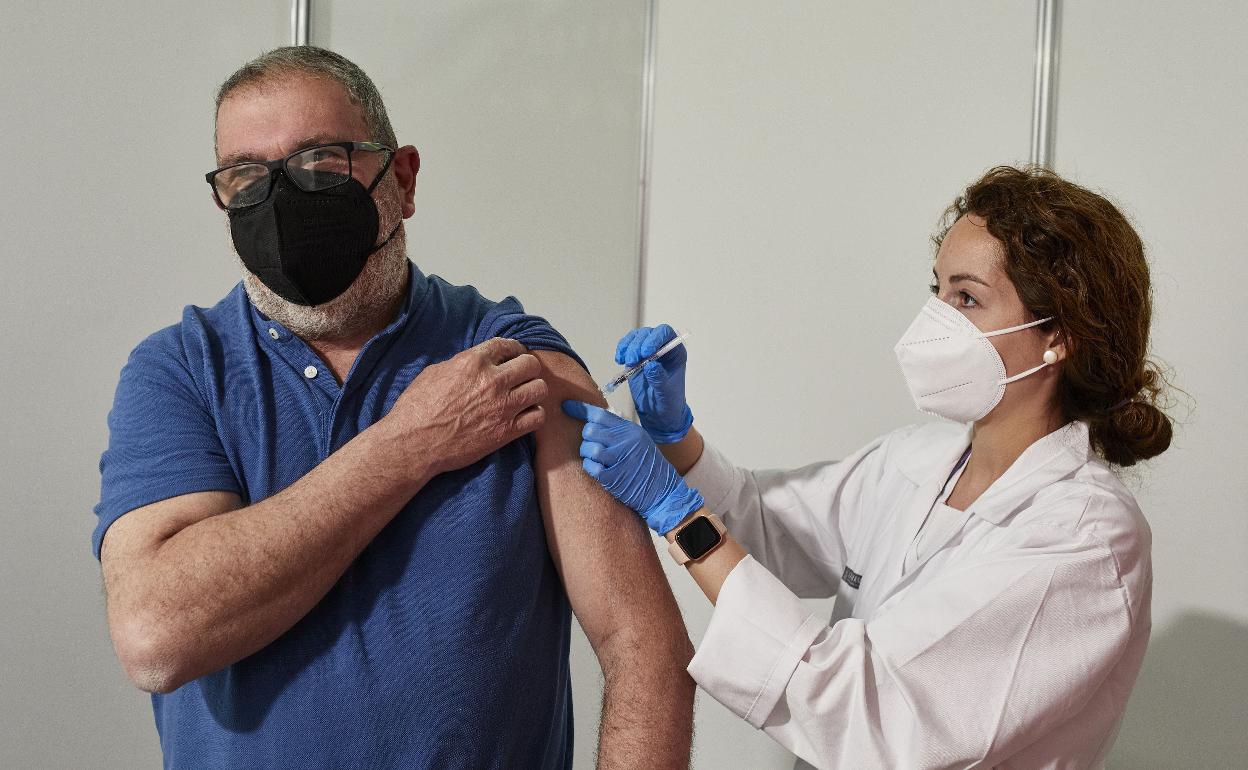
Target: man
<point>342,517</point>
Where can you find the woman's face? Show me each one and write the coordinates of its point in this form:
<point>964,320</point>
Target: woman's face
<point>969,275</point>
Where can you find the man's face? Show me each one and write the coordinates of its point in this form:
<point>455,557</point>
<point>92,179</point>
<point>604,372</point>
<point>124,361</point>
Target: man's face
<point>290,112</point>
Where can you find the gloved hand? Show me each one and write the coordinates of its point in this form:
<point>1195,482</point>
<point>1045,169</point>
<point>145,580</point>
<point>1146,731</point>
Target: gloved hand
<point>659,390</point>
<point>626,462</point>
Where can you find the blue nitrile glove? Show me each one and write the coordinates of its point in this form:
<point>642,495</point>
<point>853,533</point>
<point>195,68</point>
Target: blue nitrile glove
<point>659,390</point>
<point>627,464</point>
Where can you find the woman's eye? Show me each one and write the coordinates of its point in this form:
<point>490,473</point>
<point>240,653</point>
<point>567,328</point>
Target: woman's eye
<point>967,299</point>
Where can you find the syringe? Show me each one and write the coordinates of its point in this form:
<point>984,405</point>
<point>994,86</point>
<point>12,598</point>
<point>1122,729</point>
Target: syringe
<point>631,371</point>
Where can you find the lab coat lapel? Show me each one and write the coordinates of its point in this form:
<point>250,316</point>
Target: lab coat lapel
<point>928,467</point>
<point>1050,459</point>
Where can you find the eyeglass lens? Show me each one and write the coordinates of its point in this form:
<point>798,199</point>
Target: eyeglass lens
<point>311,170</point>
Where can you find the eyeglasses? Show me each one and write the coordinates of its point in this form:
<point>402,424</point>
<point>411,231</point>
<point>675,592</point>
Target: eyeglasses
<point>311,169</point>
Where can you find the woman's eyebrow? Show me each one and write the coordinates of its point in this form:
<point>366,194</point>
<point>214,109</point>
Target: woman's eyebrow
<point>968,277</point>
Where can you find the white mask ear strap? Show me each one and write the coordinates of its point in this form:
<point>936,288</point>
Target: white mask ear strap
<point>1018,328</point>
<point>1021,375</point>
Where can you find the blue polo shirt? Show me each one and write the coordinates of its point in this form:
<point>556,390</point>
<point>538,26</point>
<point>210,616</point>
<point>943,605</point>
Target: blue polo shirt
<point>445,644</point>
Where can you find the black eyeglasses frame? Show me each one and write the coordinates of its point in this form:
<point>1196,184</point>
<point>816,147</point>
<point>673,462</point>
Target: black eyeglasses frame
<point>281,165</point>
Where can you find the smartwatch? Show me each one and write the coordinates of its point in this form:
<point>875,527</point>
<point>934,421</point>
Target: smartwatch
<point>697,539</point>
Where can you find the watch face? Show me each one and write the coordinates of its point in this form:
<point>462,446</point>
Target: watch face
<point>698,537</point>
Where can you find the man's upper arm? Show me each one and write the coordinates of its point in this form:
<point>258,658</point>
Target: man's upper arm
<point>163,441</point>
<point>602,549</point>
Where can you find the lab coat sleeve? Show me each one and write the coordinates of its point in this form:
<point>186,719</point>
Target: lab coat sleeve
<point>795,522</point>
<point>967,668</point>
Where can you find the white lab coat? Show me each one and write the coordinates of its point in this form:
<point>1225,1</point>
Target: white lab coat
<point>1013,641</point>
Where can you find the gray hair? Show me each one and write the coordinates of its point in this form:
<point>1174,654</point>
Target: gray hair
<point>321,63</point>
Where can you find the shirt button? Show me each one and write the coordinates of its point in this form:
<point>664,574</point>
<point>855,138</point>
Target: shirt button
<point>310,372</point>
<point>273,333</point>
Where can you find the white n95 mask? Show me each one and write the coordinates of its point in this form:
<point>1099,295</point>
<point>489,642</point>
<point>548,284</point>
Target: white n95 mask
<point>951,368</point>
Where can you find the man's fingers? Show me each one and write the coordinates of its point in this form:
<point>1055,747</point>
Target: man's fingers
<point>500,349</point>
<point>527,394</point>
<point>529,420</point>
<point>522,368</point>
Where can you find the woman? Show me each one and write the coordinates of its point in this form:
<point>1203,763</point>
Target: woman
<point>992,583</point>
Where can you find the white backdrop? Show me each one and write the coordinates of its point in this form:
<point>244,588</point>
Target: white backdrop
<point>1152,110</point>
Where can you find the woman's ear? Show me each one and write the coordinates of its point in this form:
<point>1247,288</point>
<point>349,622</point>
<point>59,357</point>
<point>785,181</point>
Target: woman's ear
<point>1056,349</point>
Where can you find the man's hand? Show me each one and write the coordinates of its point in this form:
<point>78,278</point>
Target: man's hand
<point>456,412</point>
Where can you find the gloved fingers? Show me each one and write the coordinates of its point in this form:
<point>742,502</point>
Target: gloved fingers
<point>632,353</point>
<point>577,410</point>
<point>588,413</point>
<point>605,434</point>
<point>600,453</point>
<point>654,373</point>
<point>592,467</point>
<point>648,344</point>
<point>655,339</point>
<point>621,348</point>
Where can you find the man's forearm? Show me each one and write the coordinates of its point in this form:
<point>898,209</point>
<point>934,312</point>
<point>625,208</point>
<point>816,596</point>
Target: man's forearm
<point>647,702</point>
<point>224,587</point>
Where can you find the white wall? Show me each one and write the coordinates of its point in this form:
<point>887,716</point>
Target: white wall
<point>803,155</point>
<point>107,231</point>
<point>1152,110</point>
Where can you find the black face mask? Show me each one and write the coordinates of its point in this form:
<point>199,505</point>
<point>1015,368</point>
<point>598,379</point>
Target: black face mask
<point>308,247</point>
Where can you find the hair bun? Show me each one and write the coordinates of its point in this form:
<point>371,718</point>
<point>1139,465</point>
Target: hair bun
<point>1136,431</point>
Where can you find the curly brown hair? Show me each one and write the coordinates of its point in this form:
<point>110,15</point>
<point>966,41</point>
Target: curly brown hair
<point>1073,256</point>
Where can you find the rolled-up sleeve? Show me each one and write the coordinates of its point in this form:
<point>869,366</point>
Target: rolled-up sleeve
<point>967,668</point>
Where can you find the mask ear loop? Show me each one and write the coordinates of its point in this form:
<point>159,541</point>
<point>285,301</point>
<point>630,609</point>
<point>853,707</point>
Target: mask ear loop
<point>1018,328</point>
<point>1050,357</point>
<point>379,246</point>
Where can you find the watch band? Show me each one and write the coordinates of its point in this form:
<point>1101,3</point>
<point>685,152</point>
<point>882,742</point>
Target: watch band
<point>679,554</point>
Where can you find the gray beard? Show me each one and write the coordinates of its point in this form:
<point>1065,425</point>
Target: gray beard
<point>357,309</point>
<point>362,306</point>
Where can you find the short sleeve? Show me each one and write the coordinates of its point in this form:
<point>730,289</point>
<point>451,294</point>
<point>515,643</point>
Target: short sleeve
<point>508,319</point>
<point>162,440</point>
